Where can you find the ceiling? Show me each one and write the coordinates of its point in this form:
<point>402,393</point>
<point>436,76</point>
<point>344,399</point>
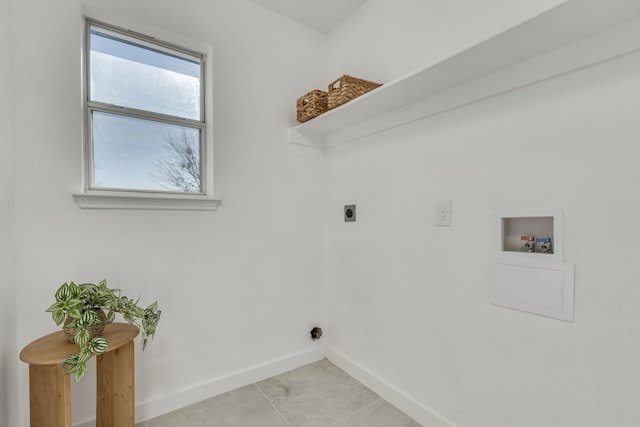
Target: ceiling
<point>321,15</point>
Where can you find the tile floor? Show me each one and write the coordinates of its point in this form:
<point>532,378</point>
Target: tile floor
<point>316,395</point>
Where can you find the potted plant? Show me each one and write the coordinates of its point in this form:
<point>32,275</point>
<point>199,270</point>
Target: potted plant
<point>84,309</point>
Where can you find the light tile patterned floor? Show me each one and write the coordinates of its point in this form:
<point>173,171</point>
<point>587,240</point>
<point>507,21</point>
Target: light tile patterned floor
<point>315,395</point>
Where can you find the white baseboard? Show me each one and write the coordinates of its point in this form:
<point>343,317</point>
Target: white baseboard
<point>154,408</point>
<point>400,400</point>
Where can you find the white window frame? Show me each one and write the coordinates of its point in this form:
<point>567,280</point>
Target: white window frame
<point>91,198</point>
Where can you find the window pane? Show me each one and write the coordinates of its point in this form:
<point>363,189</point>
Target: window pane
<point>137,154</point>
<point>128,74</point>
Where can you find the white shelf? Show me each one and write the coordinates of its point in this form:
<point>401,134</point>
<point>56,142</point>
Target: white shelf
<point>573,35</point>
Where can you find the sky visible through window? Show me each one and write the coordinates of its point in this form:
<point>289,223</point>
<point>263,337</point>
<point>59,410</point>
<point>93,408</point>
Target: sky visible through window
<point>135,153</point>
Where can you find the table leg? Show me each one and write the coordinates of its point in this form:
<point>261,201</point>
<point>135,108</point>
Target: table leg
<point>116,393</point>
<point>49,396</point>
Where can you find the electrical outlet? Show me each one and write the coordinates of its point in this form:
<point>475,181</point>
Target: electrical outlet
<point>443,213</point>
<point>350,213</point>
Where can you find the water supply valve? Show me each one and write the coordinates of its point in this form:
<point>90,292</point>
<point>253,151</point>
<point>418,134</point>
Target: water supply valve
<point>529,243</point>
<point>316,333</point>
<point>545,243</point>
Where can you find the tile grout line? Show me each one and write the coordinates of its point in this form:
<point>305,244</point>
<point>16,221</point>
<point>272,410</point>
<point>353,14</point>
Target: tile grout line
<point>273,405</point>
<point>355,412</point>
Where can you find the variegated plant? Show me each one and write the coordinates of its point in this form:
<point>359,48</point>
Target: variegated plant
<point>76,307</point>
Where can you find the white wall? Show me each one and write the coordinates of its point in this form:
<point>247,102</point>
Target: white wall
<point>407,300</point>
<point>8,346</point>
<point>238,287</point>
<point>384,40</point>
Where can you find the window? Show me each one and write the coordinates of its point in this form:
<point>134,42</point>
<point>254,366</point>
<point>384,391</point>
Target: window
<point>145,129</point>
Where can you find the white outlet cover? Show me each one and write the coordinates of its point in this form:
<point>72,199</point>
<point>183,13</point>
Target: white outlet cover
<point>442,213</point>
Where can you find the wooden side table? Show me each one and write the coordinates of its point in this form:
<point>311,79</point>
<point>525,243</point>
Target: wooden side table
<point>49,385</point>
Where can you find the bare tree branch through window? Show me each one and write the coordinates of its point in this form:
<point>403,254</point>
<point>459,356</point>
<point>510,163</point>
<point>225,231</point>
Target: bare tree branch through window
<point>179,169</point>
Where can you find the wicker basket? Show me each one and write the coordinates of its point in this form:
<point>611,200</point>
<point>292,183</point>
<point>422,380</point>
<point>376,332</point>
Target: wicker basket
<point>311,105</point>
<point>347,88</point>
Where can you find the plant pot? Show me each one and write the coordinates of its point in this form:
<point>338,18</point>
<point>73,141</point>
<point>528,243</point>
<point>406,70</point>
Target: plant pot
<point>94,331</point>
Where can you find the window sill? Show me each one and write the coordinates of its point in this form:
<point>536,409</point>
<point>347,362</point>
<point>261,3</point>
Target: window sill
<point>131,201</point>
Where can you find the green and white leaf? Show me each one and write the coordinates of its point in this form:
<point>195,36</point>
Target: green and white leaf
<point>58,316</point>
<point>63,293</point>
<point>75,313</point>
<point>71,360</point>
<point>89,318</point>
<point>80,371</point>
<point>84,355</point>
<point>55,306</point>
<point>75,290</point>
<point>98,345</point>
<point>82,337</point>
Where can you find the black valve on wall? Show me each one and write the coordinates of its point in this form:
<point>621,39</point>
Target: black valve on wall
<point>316,333</point>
